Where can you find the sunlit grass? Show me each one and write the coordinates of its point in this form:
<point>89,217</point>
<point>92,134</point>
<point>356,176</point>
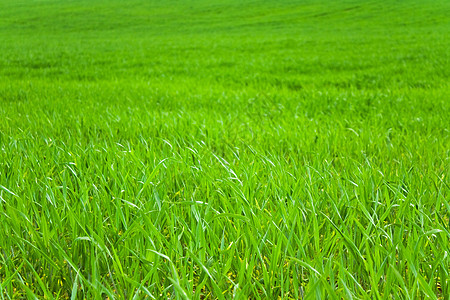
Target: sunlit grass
<point>224,150</point>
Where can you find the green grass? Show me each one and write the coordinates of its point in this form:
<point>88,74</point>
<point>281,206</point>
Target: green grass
<point>222,149</point>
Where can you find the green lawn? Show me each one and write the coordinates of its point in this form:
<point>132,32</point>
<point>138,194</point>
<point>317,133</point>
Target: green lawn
<point>224,149</point>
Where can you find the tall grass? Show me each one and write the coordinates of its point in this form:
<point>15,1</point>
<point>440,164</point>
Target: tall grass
<point>296,149</point>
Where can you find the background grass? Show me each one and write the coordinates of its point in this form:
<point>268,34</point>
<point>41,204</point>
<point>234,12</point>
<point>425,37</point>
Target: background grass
<point>221,149</point>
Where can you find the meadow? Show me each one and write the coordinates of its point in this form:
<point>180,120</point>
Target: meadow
<point>223,149</point>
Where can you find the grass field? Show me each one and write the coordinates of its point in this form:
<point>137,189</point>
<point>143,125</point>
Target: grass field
<point>224,149</point>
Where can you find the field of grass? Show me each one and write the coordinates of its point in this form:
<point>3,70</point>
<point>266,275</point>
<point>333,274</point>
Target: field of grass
<point>224,149</point>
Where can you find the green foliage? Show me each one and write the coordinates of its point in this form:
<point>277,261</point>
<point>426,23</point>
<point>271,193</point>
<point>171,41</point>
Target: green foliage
<point>224,149</point>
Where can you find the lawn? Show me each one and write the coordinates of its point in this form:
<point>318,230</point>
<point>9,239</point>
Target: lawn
<point>223,149</point>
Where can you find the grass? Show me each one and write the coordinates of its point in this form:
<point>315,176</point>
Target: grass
<point>220,149</point>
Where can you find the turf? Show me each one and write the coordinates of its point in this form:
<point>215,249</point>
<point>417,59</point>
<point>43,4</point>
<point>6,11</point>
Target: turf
<point>224,149</point>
